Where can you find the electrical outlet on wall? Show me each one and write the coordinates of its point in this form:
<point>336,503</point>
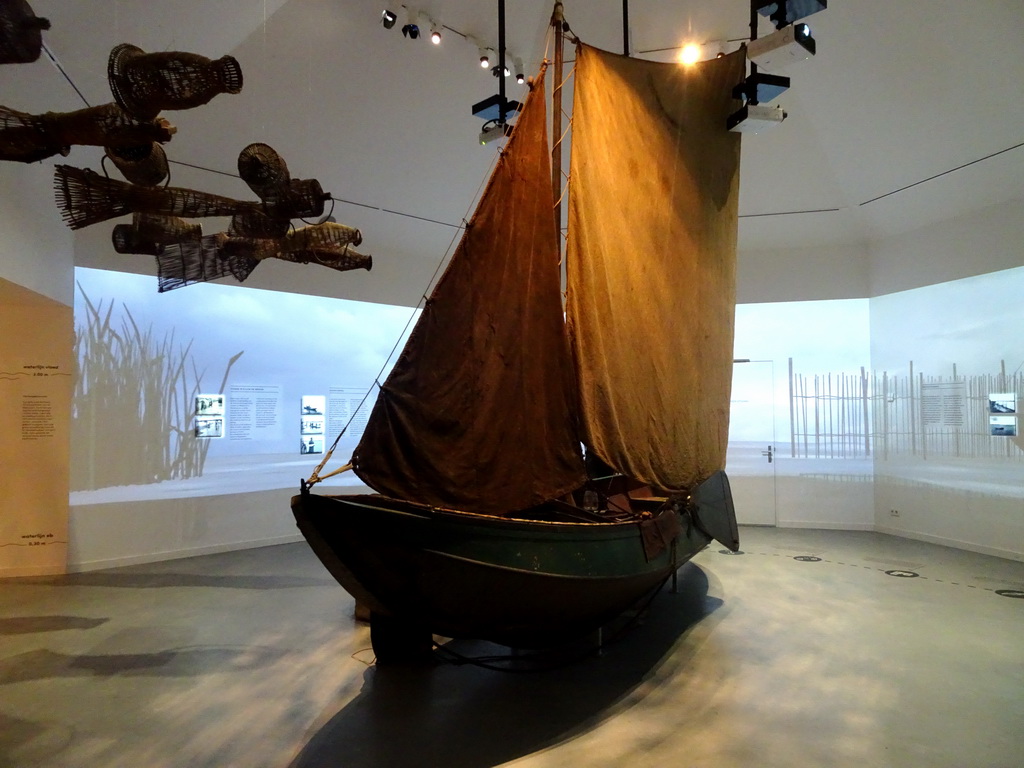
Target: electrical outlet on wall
<point>894,513</point>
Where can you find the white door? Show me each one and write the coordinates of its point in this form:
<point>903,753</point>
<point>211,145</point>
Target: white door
<point>750,457</point>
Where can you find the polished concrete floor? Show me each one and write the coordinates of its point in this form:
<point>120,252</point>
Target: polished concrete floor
<point>253,659</point>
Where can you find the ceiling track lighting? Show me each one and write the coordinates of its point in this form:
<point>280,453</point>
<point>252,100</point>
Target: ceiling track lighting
<point>783,12</point>
<point>496,109</point>
<point>755,118</point>
<point>787,44</point>
<point>761,87</point>
<point>493,131</point>
<point>412,26</point>
<point>417,22</point>
<point>516,62</point>
<point>783,47</point>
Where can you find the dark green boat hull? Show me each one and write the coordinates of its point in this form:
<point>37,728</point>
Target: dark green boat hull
<point>521,583</point>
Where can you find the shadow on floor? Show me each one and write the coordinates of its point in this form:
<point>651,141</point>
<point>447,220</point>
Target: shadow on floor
<point>24,625</point>
<point>128,580</point>
<point>471,717</point>
<point>44,664</point>
<point>21,735</point>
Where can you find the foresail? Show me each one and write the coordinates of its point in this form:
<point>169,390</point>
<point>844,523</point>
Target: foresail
<point>651,261</point>
<point>478,412</point>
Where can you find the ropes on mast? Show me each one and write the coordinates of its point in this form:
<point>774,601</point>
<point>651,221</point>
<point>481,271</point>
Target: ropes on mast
<point>557,22</point>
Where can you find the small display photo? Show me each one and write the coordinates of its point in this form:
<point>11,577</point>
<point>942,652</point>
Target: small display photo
<point>209,426</point>
<point>1003,426</point>
<point>314,405</point>
<point>1002,402</point>
<point>209,405</point>
<point>311,444</point>
<point>312,425</point>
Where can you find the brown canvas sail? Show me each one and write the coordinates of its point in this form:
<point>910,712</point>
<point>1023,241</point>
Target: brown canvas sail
<point>651,261</point>
<point>478,412</point>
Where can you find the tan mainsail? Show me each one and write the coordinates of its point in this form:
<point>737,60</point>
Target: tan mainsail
<point>478,413</point>
<point>651,262</point>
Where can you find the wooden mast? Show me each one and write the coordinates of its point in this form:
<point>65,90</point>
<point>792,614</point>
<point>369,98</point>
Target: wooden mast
<point>557,21</point>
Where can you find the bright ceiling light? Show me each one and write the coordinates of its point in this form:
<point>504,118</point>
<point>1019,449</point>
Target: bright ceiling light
<point>435,34</point>
<point>690,54</point>
<point>485,57</point>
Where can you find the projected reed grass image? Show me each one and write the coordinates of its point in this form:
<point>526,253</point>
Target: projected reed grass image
<point>135,396</point>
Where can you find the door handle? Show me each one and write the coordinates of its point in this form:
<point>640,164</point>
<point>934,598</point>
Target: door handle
<point>768,453</point>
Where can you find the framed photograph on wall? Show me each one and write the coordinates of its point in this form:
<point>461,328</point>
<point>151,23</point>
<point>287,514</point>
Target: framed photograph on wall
<point>1002,426</point>
<point>1002,402</point>
<point>314,405</point>
<point>312,425</point>
<point>209,426</point>
<point>210,405</point>
<point>311,444</point>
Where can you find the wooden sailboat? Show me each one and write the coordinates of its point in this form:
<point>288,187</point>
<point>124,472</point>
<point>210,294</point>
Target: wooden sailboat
<point>487,523</point>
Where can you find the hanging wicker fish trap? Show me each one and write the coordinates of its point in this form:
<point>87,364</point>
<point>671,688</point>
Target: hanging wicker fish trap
<point>263,169</point>
<point>183,264</point>
<point>316,235</point>
<point>144,164</point>
<point>27,138</point>
<point>84,197</point>
<point>342,259</point>
<point>258,224</point>
<point>144,84</point>
<point>150,234</point>
<point>24,140</point>
<point>21,40</point>
<point>300,199</point>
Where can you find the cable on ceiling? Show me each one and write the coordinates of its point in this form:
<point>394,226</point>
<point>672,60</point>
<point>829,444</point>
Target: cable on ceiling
<point>945,173</point>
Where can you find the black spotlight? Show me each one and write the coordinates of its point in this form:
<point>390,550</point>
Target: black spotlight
<point>761,88</point>
<point>388,18</point>
<point>784,12</point>
<point>412,31</point>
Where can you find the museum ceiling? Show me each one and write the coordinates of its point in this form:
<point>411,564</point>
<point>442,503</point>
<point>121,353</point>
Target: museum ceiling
<point>898,96</point>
